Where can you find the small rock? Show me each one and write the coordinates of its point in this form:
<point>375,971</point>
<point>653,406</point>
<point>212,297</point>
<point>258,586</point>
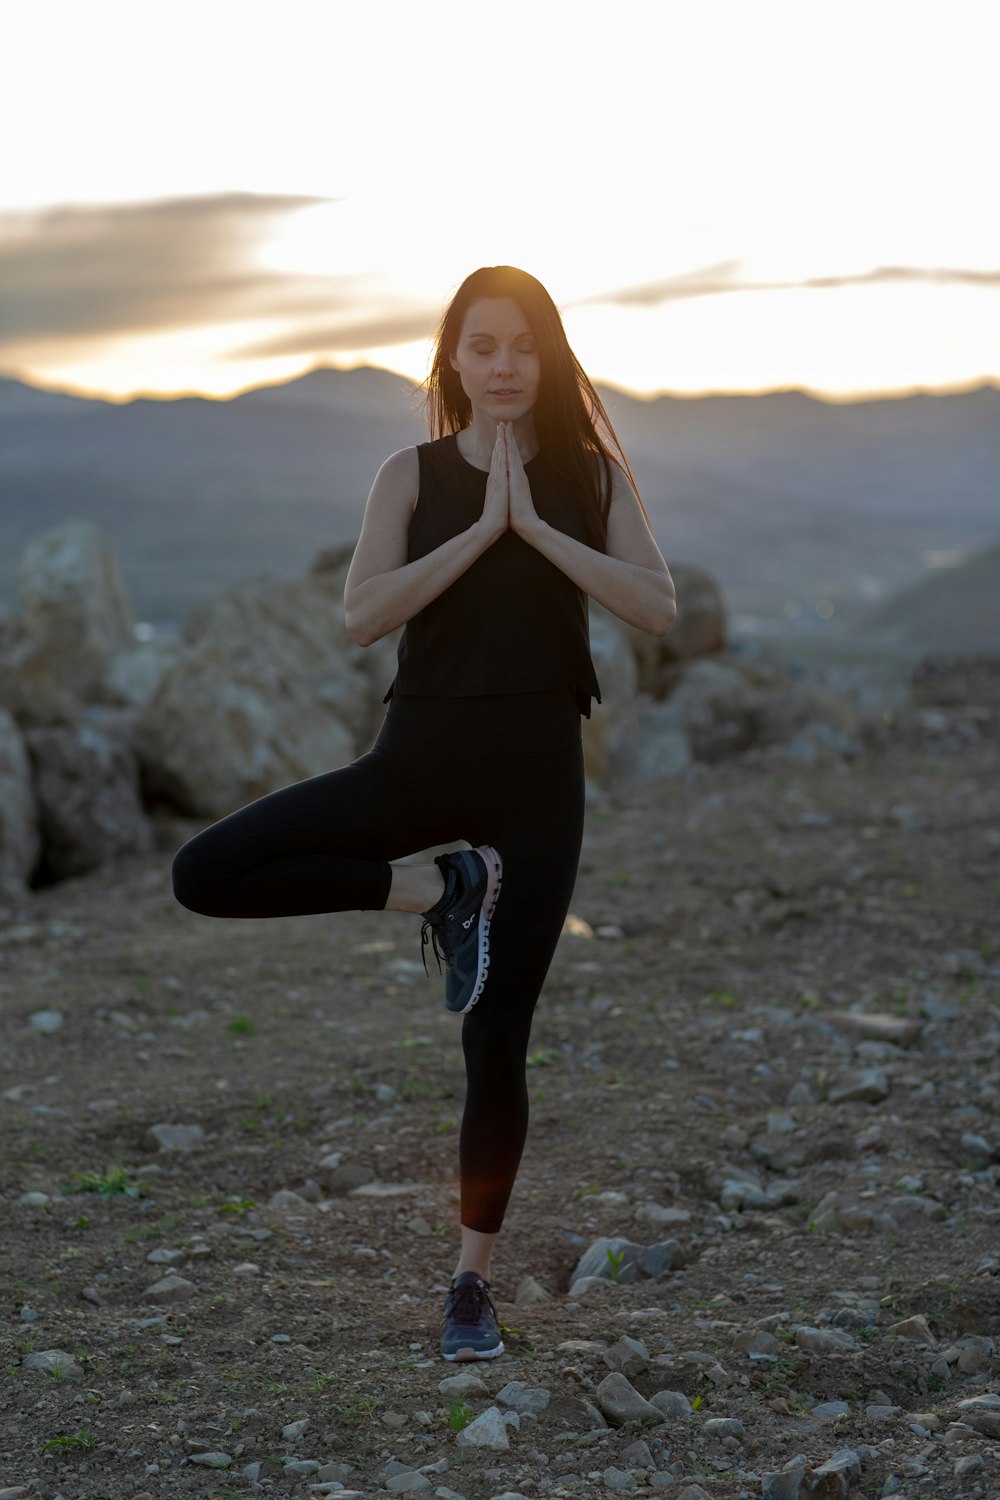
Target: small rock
<point>618,1479</point>
<point>487,1431</point>
<point>916,1328</point>
<point>758,1341</point>
<point>874,1026</point>
<point>212,1460</point>
<point>46,1020</point>
<point>410,1483</point>
<point>174,1137</point>
<point>865,1086</point>
<point>529,1290</point>
<point>284,1201</point>
<point>824,1340</point>
<point>638,1456</point>
<point>723,1427</point>
<point>467,1383</point>
<point>170,1289</point>
<point>294,1430</point>
<point>164,1257</point>
<point>53,1361</point>
<point>622,1260</point>
<point>521,1397</point>
<point>629,1356</point>
<point>621,1402</point>
<point>663,1218</point>
<point>673,1405</point>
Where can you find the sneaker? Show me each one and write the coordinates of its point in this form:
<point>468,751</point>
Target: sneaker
<point>460,922</point>
<point>470,1329</point>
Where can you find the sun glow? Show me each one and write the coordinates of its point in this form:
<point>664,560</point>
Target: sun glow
<point>680,179</point>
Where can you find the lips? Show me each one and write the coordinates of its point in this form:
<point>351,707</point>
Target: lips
<point>505,393</point>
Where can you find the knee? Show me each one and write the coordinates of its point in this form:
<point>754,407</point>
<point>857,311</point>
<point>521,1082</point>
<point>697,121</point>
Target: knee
<point>188,876</point>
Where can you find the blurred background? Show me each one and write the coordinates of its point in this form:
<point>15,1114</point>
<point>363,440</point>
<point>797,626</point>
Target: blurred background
<point>769,230</point>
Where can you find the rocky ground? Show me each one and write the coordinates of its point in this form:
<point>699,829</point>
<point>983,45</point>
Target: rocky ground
<point>764,1083</point>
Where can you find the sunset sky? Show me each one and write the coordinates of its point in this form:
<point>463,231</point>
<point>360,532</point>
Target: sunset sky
<point>199,198</point>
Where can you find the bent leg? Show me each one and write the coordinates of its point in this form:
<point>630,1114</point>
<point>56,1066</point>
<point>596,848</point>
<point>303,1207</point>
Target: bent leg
<point>319,845</point>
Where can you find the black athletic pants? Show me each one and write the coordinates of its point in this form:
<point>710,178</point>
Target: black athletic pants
<point>504,770</point>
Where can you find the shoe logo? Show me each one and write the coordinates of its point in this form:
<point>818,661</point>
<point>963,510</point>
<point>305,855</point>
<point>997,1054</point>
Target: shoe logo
<point>469,920</point>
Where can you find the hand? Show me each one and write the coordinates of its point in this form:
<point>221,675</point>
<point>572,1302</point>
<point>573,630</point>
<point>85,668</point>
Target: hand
<point>523,517</point>
<point>496,507</point>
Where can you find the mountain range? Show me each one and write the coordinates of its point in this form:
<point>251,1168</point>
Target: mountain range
<point>787,499</point>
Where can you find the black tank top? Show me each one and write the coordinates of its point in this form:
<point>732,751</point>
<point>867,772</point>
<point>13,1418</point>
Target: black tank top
<point>512,622</point>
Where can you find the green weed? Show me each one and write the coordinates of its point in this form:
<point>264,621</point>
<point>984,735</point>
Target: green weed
<point>361,1409</point>
<point>724,997</point>
<point>113,1181</point>
<point>542,1057</point>
<point>459,1416</point>
<point>78,1439</point>
<point>241,1026</point>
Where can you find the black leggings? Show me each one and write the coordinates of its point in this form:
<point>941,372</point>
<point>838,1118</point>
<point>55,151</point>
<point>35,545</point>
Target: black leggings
<point>504,770</point>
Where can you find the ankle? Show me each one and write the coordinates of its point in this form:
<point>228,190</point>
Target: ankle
<point>415,888</point>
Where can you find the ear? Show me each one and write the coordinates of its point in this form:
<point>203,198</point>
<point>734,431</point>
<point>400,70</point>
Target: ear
<point>451,361</point>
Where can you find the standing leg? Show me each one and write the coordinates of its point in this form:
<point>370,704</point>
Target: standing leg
<point>539,839</point>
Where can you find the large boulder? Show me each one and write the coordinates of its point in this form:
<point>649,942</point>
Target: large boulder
<point>700,629</point>
<point>725,704</point>
<point>378,661</point>
<point>87,789</point>
<point>75,608</point>
<point>19,841</point>
<point>609,734</point>
<point>263,694</point>
<point>135,673</point>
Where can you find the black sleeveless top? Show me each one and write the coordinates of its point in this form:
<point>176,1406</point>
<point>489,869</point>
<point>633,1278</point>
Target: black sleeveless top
<point>512,622</point>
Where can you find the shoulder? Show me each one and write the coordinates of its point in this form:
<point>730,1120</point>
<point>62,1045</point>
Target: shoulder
<point>400,466</point>
<point>398,478</point>
<point>622,492</point>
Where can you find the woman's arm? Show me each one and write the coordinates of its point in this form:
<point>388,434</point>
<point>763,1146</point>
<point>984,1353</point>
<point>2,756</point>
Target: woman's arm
<point>629,578</point>
<point>383,590</point>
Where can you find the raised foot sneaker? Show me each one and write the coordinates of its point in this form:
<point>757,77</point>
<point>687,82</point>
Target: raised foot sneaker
<point>460,922</point>
<point>470,1329</point>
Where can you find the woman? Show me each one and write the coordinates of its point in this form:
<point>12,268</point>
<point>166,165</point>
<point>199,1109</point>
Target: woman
<point>485,543</point>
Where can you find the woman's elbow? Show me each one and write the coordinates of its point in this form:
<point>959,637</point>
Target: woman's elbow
<point>665,618</point>
<point>356,629</point>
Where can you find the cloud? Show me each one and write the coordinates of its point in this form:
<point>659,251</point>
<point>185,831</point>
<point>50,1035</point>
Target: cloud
<point>87,272</point>
<point>721,278</point>
<point>396,327</point>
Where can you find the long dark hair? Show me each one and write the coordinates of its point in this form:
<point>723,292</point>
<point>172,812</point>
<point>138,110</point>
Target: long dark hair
<point>569,416</point>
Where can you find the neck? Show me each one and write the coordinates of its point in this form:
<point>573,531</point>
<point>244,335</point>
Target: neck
<point>481,436</point>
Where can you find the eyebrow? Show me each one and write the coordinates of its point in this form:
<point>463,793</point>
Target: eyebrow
<point>527,334</point>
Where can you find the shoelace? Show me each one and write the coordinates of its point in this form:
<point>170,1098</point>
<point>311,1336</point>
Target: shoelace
<point>465,1302</point>
<point>439,942</point>
<point>438,952</point>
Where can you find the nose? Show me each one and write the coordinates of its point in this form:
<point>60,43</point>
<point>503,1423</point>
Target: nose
<point>504,362</point>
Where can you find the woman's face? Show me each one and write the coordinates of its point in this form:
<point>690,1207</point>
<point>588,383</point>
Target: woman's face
<point>497,359</point>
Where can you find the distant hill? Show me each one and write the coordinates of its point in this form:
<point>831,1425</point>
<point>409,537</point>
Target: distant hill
<point>956,610</point>
<point>785,497</point>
